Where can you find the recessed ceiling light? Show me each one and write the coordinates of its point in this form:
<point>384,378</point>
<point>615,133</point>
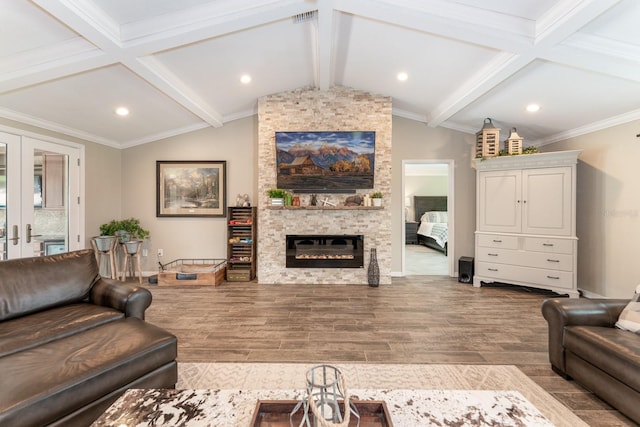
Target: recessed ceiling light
<point>532,108</point>
<point>122,111</point>
<point>245,79</point>
<point>403,76</point>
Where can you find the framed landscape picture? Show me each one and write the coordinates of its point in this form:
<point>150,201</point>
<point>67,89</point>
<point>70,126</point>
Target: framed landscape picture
<point>191,188</point>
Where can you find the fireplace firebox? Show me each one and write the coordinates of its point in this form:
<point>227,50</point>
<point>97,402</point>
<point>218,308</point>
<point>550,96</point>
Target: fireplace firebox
<point>325,251</point>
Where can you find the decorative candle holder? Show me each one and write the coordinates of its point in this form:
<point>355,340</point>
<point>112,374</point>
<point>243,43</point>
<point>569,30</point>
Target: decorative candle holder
<point>326,389</point>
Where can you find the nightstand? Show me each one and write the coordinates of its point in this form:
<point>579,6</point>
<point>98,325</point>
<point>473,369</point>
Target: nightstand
<point>411,232</point>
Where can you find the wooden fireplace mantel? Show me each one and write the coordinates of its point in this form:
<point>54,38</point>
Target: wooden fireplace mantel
<point>325,208</point>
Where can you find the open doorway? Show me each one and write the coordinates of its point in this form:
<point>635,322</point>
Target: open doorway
<point>428,217</point>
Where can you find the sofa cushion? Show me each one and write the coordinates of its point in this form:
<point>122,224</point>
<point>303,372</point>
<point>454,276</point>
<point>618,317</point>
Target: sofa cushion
<point>88,365</point>
<point>49,325</point>
<point>612,350</point>
<point>28,285</point>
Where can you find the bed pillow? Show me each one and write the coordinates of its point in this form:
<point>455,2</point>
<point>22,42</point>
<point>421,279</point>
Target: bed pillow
<point>435,216</point>
<point>629,319</point>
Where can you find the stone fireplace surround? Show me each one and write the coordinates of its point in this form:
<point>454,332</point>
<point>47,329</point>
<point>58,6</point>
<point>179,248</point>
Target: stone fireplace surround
<point>340,109</point>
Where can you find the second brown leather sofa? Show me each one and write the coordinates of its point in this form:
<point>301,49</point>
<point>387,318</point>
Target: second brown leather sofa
<point>584,345</point>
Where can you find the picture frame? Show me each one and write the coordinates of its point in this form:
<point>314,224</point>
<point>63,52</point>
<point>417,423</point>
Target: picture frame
<point>191,188</point>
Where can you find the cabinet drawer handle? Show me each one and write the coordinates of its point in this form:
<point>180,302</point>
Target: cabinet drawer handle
<point>553,260</point>
<point>497,241</point>
<point>547,244</point>
<point>492,254</point>
<point>553,277</point>
<point>492,269</point>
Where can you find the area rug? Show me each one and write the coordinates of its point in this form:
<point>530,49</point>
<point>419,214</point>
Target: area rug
<point>436,390</point>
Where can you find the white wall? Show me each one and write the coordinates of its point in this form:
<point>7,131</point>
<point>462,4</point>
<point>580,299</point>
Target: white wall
<point>426,186</point>
<point>235,142</point>
<point>414,140</point>
<point>608,209</point>
<point>121,183</point>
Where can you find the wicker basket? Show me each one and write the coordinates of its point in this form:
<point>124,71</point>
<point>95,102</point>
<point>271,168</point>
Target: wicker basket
<point>193,272</point>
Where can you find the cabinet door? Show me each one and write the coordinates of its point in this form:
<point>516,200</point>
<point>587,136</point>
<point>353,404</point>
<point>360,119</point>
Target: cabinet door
<point>499,201</point>
<point>547,201</point>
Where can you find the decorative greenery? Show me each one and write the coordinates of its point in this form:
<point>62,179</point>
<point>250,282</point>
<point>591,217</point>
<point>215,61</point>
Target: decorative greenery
<point>130,225</point>
<point>276,193</point>
<point>527,150</point>
<point>376,195</point>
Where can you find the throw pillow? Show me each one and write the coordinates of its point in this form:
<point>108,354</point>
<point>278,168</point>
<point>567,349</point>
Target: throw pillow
<point>629,319</point>
<point>434,217</point>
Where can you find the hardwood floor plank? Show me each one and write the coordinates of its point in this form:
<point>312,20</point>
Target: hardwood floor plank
<point>418,319</point>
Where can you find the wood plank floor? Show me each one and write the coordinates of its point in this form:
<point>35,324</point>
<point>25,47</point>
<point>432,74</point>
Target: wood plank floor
<point>416,319</point>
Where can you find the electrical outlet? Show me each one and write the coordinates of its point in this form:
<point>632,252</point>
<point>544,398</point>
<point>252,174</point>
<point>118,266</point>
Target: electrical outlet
<point>145,252</point>
<point>160,252</point>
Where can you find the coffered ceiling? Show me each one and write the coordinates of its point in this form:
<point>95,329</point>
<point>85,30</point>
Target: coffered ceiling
<point>65,65</point>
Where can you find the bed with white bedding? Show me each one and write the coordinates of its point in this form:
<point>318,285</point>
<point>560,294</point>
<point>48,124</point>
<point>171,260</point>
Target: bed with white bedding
<point>431,213</point>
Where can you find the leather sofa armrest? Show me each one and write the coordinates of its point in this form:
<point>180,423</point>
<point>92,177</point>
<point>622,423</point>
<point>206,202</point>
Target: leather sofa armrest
<point>562,312</point>
<point>132,300</point>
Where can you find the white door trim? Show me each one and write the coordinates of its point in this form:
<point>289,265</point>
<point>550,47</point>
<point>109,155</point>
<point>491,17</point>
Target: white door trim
<point>450,208</point>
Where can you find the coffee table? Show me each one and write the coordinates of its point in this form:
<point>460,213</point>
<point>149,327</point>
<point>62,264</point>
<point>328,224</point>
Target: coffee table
<point>231,408</point>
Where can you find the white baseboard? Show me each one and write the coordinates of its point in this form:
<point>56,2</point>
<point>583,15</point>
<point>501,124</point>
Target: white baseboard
<point>590,295</point>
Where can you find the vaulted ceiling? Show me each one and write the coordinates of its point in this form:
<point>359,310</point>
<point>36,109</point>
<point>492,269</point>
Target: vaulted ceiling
<point>65,65</point>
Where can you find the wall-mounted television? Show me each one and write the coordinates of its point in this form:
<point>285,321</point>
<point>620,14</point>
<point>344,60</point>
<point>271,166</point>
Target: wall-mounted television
<point>325,162</point>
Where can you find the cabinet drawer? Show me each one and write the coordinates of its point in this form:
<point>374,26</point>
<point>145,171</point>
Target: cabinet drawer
<point>498,241</point>
<point>525,275</point>
<point>556,246</point>
<point>526,259</point>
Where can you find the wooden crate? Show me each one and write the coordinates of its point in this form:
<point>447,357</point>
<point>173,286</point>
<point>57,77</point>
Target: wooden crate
<point>193,272</point>
<point>236,274</point>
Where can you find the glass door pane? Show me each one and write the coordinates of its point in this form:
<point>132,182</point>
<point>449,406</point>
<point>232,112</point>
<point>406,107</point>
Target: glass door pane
<point>47,231</point>
<point>10,195</point>
<point>45,198</point>
<point>3,200</point>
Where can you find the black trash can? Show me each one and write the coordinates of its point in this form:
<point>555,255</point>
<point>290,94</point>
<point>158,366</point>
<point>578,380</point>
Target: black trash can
<point>465,269</point>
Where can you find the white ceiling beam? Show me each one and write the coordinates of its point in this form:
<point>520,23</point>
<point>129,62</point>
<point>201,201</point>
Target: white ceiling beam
<point>557,24</point>
<point>496,71</point>
<point>84,18</point>
<point>324,52</point>
<point>567,17</point>
<point>156,35</point>
<point>598,55</point>
<point>446,19</point>
<point>156,74</point>
<point>51,62</point>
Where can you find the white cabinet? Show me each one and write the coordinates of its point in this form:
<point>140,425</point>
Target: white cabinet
<point>525,220</point>
<point>535,201</point>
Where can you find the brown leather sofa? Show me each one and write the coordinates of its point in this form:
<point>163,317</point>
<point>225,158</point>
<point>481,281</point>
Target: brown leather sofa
<point>585,346</point>
<point>72,342</point>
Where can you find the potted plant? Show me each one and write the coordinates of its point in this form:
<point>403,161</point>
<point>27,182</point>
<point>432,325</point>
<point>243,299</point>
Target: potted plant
<point>105,241</point>
<point>377,198</point>
<point>128,231</point>
<point>277,196</point>
<point>135,233</point>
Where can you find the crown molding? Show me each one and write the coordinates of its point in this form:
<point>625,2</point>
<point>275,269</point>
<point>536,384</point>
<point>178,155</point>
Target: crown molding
<point>593,127</point>
<point>56,127</point>
<point>164,135</point>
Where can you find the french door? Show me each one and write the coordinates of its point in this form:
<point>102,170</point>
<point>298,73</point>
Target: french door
<point>39,197</point>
